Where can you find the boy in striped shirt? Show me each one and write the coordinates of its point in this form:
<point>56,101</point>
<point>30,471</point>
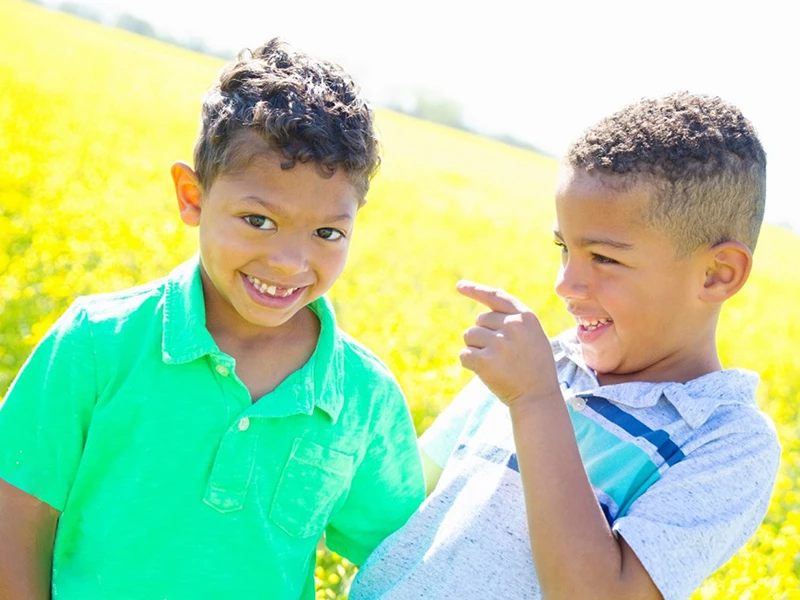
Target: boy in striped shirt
<point>619,459</point>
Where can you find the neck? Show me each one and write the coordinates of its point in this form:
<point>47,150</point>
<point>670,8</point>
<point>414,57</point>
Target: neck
<point>244,335</point>
<point>697,357</point>
<point>658,373</point>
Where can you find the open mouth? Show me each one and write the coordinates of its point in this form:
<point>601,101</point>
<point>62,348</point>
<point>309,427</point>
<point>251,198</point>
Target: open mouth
<point>591,324</point>
<point>272,291</point>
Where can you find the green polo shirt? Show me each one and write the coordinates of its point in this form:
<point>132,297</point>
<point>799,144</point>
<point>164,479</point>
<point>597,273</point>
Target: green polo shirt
<point>172,484</point>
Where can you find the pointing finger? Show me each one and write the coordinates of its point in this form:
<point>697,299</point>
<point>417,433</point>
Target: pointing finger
<point>496,299</point>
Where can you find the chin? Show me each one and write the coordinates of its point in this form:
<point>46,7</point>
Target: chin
<point>600,370</point>
<point>593,363</point>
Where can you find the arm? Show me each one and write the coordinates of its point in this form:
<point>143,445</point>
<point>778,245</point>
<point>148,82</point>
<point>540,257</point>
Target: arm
<point>43,424</point>
<point>27,532</point>
<point>575,552</point>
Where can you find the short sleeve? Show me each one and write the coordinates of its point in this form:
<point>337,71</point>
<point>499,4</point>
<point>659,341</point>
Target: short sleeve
<point>45,415</point>
<point>703,509</point>
<point>387,487</point>
<point>440,439</point>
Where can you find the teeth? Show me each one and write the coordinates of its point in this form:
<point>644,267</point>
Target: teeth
<point>270,290</point>
<point>592,324</point>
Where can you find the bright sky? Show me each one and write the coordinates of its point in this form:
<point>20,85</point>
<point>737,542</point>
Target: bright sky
<point>541,71</point>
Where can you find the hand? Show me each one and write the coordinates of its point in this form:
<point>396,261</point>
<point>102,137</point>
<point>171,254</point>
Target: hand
<point>507,348</point>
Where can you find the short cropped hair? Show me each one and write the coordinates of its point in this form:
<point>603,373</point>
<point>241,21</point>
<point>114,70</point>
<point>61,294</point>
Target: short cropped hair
<point>306,109</point>
<point>700,157</point>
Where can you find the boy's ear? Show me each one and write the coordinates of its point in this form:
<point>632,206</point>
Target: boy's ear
<point>727,269</point>
<point>187,189</point>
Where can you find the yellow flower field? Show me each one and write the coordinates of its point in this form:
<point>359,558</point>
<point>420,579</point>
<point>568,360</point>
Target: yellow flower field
<point>92,118</point>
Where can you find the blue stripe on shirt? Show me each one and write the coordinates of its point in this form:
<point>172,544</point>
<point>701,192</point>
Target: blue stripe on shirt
<point>658,438</point>
<point>607,513</point>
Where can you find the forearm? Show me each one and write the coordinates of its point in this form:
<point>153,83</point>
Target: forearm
<point>27,532</point>
<point>24,574</point>
<point>575,553</point>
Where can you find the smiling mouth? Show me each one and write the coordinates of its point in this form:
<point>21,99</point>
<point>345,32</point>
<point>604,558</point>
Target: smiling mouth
<point>592,324</point>
<point>271,290</point>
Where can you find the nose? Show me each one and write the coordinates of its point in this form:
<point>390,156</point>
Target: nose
<point>288,256</point>
<point>572,282</point>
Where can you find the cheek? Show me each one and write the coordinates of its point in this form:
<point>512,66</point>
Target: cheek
<point>340,259</point>
<point>221,234</point>
<point>629,304</point>
<point>332,262</point>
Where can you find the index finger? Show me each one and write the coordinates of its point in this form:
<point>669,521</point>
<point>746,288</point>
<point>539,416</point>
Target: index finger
<point>496,299</point>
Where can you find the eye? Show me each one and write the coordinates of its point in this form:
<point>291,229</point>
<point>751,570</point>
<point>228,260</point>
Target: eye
<point>329,233</point>
<point>603,259</point>
<point>260,222</point>
<point>561,245</point>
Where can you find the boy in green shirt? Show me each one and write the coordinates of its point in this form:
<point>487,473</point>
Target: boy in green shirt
<point>195,437</point>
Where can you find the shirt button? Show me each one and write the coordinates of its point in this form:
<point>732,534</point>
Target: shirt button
<point>578,403</point>
<point>244,423</point>
<point>223,370</point>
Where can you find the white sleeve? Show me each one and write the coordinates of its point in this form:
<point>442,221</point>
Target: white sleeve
<point>440,439</point>
<point>703,509</point>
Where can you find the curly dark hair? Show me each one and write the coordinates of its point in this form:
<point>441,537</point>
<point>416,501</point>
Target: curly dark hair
<point>701,157</point>
<point>306,109</point>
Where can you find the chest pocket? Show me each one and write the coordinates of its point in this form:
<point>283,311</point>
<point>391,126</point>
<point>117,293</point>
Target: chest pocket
<point>311,482</point>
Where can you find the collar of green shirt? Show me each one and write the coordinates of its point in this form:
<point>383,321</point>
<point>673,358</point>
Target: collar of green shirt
<point>318,383</point>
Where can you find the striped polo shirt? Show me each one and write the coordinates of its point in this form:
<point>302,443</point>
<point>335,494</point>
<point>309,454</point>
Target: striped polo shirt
<point>683,471</point>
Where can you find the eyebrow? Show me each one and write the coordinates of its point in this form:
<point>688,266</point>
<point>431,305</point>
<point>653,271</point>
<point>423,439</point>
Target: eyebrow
<point>347,216</point>
<point>602,241</point>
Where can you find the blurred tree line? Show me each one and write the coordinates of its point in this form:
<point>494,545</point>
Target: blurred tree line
<point>422,103</point>
<point>136,25</point>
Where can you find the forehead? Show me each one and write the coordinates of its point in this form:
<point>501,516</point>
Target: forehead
<point>244,147</point>
<point>580,181</point>
<point>581,191</point>
<point>596,206</point>
<point>248,151</point>
<point>301,193</point>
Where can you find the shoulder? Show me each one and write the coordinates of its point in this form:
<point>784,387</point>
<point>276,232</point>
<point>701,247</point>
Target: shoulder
<point>369,387</point>
<point>118,308</point>
<point>732,428</point>
<point>92,316</point>
<point>731,405</point>
<point>361,363</point>
<point>728,436</point>
<point>358,364</point>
